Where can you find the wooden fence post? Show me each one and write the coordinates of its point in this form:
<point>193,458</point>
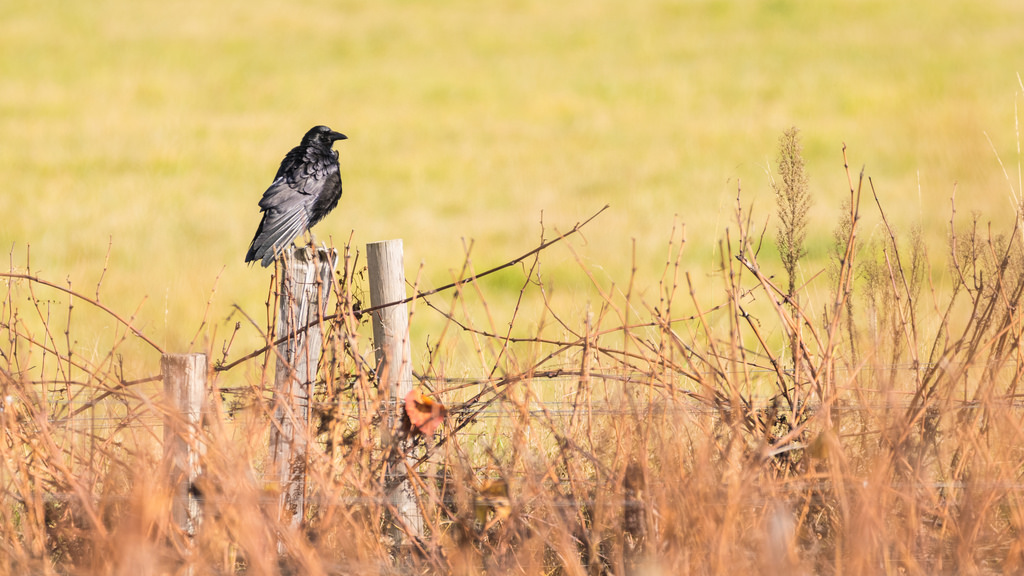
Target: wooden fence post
<point>384,261</point>
<point>634,518</point>
<point>184,378</point>
<point>306,280</point>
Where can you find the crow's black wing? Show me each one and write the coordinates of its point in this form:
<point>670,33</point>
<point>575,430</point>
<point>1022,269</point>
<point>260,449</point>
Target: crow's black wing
<point>285,217</point>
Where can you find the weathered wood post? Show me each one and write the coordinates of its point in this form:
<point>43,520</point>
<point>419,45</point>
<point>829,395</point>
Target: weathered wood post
<point>184,378</point>
<point>634,518</point>
<point>306,278</point>
<point>384,261</point>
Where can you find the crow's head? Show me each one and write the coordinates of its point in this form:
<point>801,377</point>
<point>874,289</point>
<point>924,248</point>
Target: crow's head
<point>322,135</point>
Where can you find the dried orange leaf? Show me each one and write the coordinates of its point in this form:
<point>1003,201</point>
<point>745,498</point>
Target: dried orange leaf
<point>425,414</point>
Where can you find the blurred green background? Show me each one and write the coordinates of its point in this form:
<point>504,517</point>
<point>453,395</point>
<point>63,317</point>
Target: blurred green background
<point>152,128</point>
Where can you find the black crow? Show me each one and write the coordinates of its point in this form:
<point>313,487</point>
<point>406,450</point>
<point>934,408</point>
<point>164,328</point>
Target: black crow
<point>307,187</point>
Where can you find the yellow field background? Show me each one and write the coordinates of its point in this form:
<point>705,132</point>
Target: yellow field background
<point>152,128</point>
<point>865,421</point>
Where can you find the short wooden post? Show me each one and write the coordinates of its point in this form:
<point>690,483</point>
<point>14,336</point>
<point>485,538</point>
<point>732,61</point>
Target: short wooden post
<point>305,287</point>
<point>634,518</point>
<point>184,378</point>
<point>384,261</point>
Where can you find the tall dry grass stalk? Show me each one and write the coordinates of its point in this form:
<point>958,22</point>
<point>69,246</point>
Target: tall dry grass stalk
<point>792,203</point>
<point>655,434</point>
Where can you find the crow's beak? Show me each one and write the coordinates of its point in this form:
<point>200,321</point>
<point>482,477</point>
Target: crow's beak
<point>338,136</point>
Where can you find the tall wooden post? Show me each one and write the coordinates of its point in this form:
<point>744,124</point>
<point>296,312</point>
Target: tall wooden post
<point>306,279</point>
<point>384,261</point>
<point>184,378</point>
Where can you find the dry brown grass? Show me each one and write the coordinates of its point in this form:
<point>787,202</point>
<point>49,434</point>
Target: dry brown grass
<point>875,431</point>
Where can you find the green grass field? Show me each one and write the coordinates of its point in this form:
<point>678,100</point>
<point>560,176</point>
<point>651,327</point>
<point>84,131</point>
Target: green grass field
<point>153,128</point>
